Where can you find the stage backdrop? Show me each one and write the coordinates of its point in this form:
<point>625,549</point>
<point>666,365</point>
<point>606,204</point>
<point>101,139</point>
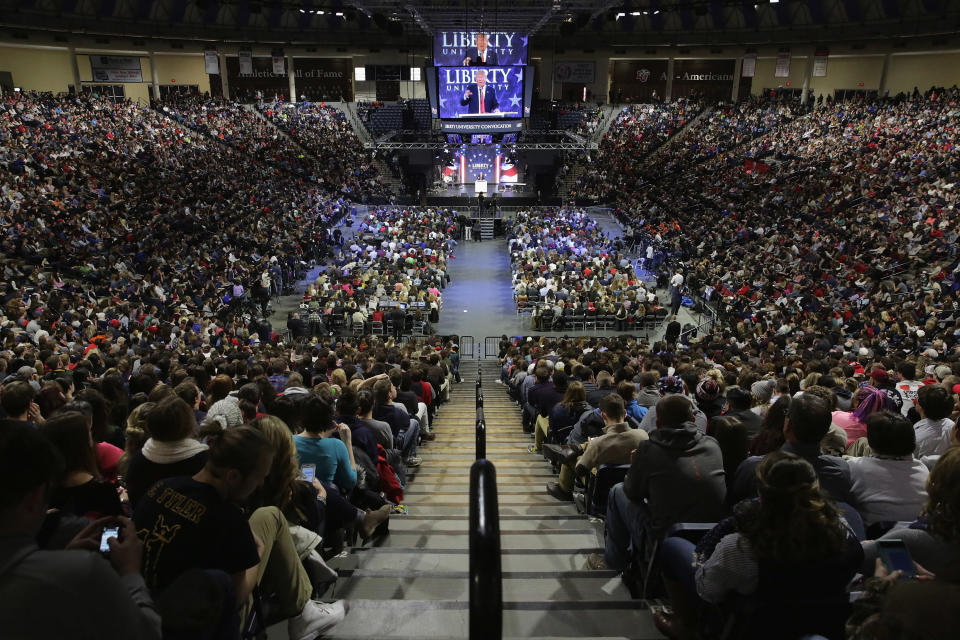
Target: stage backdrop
<point>481,162</point>
<point>451,48</point>
<point>503,93</point>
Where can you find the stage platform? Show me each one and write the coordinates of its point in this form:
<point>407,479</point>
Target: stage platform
<point>467,190</point>
<point>465,196</point>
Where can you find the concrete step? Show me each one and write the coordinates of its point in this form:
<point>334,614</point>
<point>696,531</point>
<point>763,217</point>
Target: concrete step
<point>501,454</point>
<point>450,619</point>
<point>529,510</point>
<point>526,560</point>
<point>535,467</point>
<point>399,585</point>
<point>423,487</point>
<point>422,524</point>
<point>458,499</point>
<point>443,540</point>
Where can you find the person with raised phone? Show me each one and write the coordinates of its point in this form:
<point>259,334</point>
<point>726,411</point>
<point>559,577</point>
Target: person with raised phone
<point>76,592</point>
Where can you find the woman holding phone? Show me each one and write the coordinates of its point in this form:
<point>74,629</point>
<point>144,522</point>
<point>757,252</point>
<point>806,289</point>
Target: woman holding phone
<point>317,445</point>
<point>334,466</point>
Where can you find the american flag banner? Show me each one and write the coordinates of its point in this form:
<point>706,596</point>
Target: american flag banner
<point>509,172</point>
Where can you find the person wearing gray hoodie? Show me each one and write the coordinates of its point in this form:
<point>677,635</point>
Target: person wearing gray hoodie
<point>675,476</point>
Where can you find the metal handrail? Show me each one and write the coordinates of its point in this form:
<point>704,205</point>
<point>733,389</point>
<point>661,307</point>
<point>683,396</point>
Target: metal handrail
<point>486,588</point>
<point>481,426</point>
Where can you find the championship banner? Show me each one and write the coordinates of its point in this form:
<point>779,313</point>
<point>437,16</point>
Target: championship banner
<point>487,93</point>
<point>749,67</point>
<point>211,63</point>
<point>575,72</point>
<point>246,62</point>
<point>115,69</point>
<point>783,66</point>
<point>278,66</point>
<point>820,64</point>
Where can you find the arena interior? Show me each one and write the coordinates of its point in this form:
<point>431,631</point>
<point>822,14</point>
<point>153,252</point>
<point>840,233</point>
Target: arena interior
<point>427,320</point>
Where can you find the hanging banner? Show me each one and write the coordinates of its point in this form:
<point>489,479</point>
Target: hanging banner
<point>115,69</point>
<point>211,63</point>
<point>749,67</point>
<point>820,64</point>
<point>246,62</point>
<point>783,66</point>
<point>575,72</point>
<point>278,67</point>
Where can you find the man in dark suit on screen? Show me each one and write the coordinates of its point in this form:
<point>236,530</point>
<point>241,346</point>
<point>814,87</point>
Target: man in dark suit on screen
<point>479,97</point>
<point>480,55</point>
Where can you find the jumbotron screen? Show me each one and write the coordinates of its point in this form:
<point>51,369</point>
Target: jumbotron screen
<point>479,49</point>
<point>481,93</point>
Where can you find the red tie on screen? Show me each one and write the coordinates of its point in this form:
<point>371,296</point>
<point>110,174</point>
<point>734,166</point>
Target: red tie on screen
<point>482,106</point>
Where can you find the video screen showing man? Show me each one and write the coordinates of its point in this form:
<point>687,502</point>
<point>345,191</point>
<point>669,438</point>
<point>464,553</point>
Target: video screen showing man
<point>481,55</point>
<point>479,48</point>
<point>480,98</point>
<point>488,93</point>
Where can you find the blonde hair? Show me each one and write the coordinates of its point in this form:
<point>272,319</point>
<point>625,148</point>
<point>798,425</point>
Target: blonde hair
<point>278,486</point>
<point>339,377</point>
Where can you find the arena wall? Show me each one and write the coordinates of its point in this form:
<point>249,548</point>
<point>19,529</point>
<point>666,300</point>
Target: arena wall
<point>37,69</point>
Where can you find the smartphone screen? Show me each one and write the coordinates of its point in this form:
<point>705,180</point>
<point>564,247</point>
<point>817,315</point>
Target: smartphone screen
<point>108,532</point>
<point>896,557</point>
<point>309,472</point>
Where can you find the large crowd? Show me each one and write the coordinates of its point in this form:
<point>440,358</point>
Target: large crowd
<point>825,238</point>
<point>391,273</point>
<point>814,424</point>
<point>326,134</point>
<point>634,134</point>
<point>146,395</point>
<point>566,270</point>
<point>743,465</point>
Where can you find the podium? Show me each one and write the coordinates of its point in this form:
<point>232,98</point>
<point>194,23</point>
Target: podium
<point>480,186</point>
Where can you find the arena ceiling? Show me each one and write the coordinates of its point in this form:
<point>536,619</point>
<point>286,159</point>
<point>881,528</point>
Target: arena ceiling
<point>554,23</point>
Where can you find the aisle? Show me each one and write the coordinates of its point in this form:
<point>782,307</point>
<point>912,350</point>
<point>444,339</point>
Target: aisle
<point>414,584</point>
<point>479,300</point>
